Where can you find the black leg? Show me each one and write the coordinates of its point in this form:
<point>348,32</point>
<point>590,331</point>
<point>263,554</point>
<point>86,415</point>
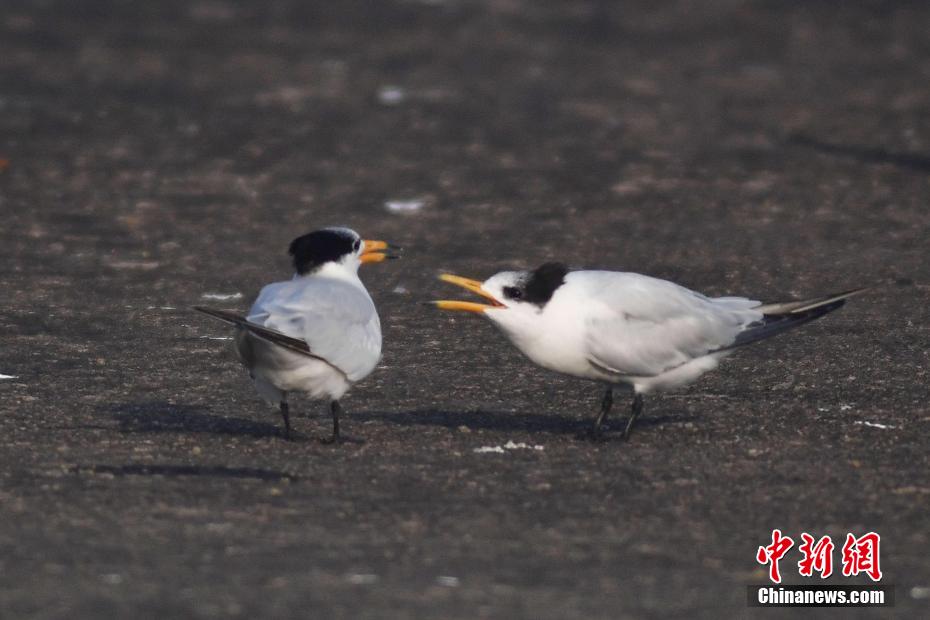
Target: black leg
<point>335,409</point>
<point>635,411</point>
<point>286,414</point>
<point>606,404</point>
<point>595,432</point>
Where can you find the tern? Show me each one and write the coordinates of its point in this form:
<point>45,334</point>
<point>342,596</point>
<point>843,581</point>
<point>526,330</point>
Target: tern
<point>317,333</point>
<point>625,328</point>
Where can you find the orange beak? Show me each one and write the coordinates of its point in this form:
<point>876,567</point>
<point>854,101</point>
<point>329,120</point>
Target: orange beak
<point>467,306</point>
<point>372,251</point>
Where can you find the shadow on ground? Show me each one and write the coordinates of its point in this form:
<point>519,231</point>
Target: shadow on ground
<point>510,422</point>
<point>862,154</point>
<point>177,471</point>
<point>162,417</point>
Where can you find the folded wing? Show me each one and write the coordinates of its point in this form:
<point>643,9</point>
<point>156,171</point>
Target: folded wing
<point>644,326</point>
<point>337,321</point>
<point>292,344</point>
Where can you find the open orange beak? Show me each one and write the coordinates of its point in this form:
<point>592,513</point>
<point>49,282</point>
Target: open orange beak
<point>372,251</point>
<point>467,306</point>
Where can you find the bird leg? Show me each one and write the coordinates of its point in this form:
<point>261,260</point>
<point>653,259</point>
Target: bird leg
<point>606,404</point>
<point>635,412</point>
<point>594,433</point>
<point>286,414</point>
<point>335,409</point>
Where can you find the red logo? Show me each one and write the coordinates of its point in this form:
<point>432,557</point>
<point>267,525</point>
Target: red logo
<point>860,555</point>
<point>817,557</point>
<point>773,553</point>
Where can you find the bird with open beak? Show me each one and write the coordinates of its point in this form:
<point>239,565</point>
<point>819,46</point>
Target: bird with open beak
<point>625,328</point>
<point>317,333</point>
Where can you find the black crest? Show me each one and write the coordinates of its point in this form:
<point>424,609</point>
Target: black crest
<point>321,246</point>
<point>540,285</point>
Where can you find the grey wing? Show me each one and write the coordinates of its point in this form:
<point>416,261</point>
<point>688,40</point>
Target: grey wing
<point>296,345</point>
<point>337,321</point>
<point>644,326</point>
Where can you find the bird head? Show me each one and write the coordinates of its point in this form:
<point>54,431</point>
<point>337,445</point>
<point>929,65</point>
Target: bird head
<point>509,295</point>
<point>340,247</point>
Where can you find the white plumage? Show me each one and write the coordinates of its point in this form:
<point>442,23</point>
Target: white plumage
<point>626,328</point>
<point>330,311</point>
<point>317,333</point>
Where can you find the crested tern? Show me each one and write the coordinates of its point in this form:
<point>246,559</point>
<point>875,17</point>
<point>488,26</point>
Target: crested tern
<point>625,328</point>
<point>317,333</point>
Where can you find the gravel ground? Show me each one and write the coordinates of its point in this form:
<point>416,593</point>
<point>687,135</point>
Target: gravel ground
<point>152,153</point>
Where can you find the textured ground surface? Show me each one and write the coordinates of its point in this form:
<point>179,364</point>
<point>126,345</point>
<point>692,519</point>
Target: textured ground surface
<point>154,152</point>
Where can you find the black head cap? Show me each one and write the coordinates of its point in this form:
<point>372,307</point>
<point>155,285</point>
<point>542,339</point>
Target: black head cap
<point>540,285</point>
<point>322,246</point>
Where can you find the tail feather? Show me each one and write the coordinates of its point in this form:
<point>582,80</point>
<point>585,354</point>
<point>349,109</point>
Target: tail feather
<point>809,304</point>
<point>271,335</point>
<point>779,317</point>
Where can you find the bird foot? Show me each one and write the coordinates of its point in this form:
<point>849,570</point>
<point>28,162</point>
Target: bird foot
<point>627,431</point>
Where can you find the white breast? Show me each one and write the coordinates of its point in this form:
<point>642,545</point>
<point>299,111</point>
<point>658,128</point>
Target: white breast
<point>628,328</point>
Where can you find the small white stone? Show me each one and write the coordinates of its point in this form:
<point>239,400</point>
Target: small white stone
<point>391,95</point>
<point>510,445</point>
<point>486,449</point>
<point>874,424</point>
<point>362,579</point>
<point>403,206</point>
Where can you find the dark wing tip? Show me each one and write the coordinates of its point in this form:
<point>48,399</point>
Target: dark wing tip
<point>265,333</point>
<point>223,315</point>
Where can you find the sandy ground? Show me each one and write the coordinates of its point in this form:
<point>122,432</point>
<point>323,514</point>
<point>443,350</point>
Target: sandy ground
<point>152,153</point>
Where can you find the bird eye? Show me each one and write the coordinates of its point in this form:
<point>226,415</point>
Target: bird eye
<point>357,245</point>
<point>512,292</point>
